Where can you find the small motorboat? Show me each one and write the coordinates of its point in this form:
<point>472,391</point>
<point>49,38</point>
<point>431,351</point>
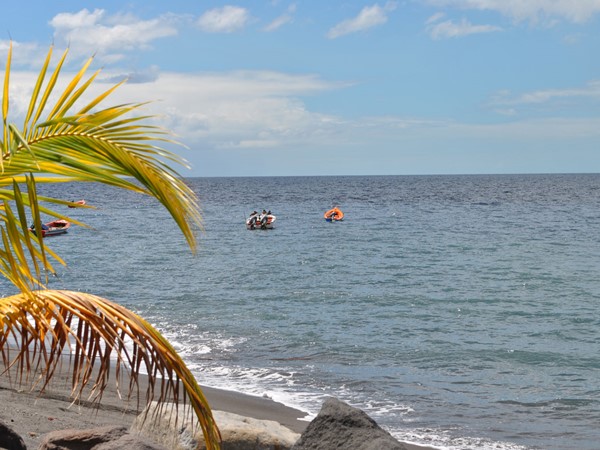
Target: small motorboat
<point>334,215</point>
<point>53,228</point>
<point>77,203</point>
<point>262,221</point>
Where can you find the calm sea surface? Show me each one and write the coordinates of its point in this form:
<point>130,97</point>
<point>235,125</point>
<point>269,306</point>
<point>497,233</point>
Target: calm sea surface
<point>458,311</point>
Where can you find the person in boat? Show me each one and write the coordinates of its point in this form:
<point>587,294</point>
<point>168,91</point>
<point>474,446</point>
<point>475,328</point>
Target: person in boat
<point>253,219</point>
<point>264,218</point>
<point>44,226</point>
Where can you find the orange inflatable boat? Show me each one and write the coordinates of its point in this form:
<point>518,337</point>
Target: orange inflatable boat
<point>334,215</point>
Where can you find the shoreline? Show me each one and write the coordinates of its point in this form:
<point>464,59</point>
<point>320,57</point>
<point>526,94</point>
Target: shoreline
<point>32,415</point>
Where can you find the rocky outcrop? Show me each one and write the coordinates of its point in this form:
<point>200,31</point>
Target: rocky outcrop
<point>9,439</point>
<point>103,438</point>
<point>174,428</point>
<point>339,425</point>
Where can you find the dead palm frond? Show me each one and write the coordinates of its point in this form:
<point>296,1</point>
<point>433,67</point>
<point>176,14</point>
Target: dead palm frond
<point>70,136</point>
<point>46,331</point>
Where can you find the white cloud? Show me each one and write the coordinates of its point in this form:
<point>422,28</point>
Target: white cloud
<point>589,92</point>
<point>249,116</point>
<point>369,17</point>
<point>260,109</point>
<point>243,109</point>
<point>451,29</point>
<point>435,18</point>
<point>572,39</point>
<point>109,37</point>
<point>278,22</point>
<point>24,53</point>
<point>227,19</point>
<point>577,11</point>
<point>81,19</point>
<point>248,110</point>
<point>546,129</point>
<point>237,109</point>
<point>281,20</point>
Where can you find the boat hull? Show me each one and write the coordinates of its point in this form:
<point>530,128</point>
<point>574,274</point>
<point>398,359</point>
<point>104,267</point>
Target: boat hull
<point>257,224</point>
<point>54,228</point>
<point>333,215</point>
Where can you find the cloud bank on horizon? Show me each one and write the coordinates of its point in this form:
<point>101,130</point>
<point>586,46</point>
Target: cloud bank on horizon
<point>298,88</point>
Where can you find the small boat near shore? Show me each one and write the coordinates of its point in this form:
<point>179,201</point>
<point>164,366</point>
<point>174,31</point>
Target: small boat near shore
<point>77,203</point>
<point>53,228</point>
<point>264,221</point>
<point>334,215</point>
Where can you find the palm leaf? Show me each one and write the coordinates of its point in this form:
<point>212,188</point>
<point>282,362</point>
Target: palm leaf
<point>91,335</point>
<point>36,92</point>
<point>115,146</point>
<point>5,98</point>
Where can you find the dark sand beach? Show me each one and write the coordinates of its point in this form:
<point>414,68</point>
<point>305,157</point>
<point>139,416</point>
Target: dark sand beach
<point>32,414</point>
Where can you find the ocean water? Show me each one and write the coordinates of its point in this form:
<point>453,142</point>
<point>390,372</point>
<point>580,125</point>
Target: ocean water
<point>458,311</point>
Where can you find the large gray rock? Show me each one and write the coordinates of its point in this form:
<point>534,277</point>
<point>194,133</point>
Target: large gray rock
<point>102,438</point>
<point>9,439</point>
<point>174,428</point>
<point>130,442</point>
<point>340,426</point>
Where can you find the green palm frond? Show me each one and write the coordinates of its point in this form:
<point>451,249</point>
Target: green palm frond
<point>112,145</point>
<point>78,138</point>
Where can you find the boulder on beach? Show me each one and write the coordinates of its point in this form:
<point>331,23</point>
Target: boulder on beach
<point>10,439</point>
<point>175,427</point>
<point>338,425</point>
<point>102,438</point>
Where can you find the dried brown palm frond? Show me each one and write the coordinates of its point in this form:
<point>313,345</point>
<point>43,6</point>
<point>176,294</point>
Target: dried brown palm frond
<point>43,332</point>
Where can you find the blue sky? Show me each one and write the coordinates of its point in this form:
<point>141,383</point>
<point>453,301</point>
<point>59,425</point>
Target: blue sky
<point>270,88</point>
